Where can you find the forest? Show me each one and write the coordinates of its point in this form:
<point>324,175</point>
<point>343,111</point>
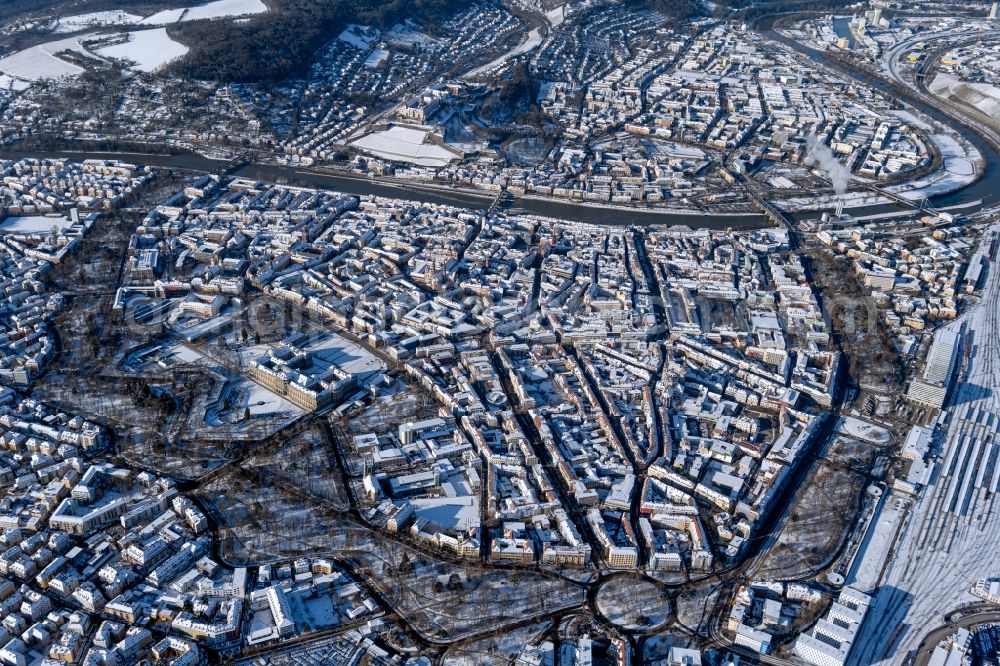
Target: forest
<point>281,44</point>
<point>675,9</point>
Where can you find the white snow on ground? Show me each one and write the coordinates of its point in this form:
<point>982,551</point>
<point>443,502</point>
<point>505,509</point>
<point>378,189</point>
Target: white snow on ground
<point>943,83</point>
<point>982,96</point>
<point>148,49</point>
<point>556,16</point>
<point>407,145</point>
<point>245,393</point>
<point>955,159</point>
<point>264,402</point>
<point>95,20</point>
<point>346,355</point>
<point>864,431</point>
<point>40,62</point>
<point>632,603</point>
<point>453,513</point>
<point>213,10</point>
<point>405,34</point>
<point>680,151</point>
<point>377,57</point>
<point>10,83</point>
<point>783,183</point>
<point>359,36</point>
<point>164,17</point>
<point>186,354</point>
<point>32,224</point>
<point>959,169</point>
<point>225,9</point>
<point>910,119</point>
<point>948,540</point>
<point>530,43</point>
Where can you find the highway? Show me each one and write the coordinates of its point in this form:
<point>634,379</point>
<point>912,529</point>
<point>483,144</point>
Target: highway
<point>985,139</point>
<point>985,125</point>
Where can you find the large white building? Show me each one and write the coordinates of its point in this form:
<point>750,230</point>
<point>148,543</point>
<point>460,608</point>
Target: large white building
<point>280,611</point>
<point>932,388</point>
<point>829,642</point>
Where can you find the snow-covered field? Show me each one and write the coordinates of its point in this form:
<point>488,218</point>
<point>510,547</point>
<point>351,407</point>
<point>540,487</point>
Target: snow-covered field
<point>680,151</point>
<point>148,49</point>
<point>863,430</point>
<point>34,224</point>
<point>40,62</point>
<point>225,9</point>
<point>263,402</point>
<point>359,36</point>
<point>909,118</point>
<point>377,57</point>
<point>243,394</point>
<point>555,17</point>
<point>982,96</point>
<point>961,163</point>
<point>404,34</point>
<point>10,83</point>
<point>407,145</point>
<point>453,513</point>
<point>212,10</point>
<point>95,20</point>
<point>346,355</point>
<point>164,16</point>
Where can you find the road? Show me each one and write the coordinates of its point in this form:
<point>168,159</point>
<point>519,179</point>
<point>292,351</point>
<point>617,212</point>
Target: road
<point>949,539</point>
<point>934,637</point>
<point>985,125</point>
<point>951,533</point>
<point>892,56</point>
<point>984,138</point>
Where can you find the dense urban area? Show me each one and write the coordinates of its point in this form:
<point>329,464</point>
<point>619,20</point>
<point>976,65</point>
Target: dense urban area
<point>499,332</point>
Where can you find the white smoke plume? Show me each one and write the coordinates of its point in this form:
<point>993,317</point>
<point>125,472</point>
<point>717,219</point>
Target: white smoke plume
<point>818,154</point>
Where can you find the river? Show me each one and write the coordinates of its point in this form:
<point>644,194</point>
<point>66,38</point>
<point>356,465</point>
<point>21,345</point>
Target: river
<point>617,216</point>
<point>842,26</point>
<point>361,186</point>
<point>985,189</point>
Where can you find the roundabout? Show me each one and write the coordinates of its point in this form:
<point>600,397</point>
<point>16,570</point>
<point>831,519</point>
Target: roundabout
<point>633,604</point>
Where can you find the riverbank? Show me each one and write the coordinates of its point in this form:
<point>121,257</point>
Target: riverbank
<point>361,186</point>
